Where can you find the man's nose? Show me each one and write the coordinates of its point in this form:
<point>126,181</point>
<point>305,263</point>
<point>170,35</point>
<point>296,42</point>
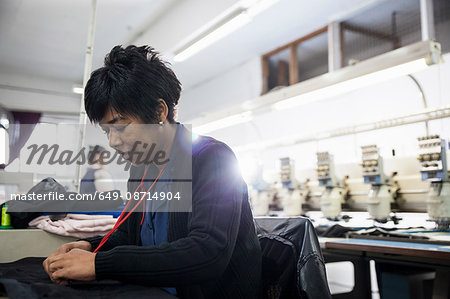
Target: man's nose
<point>114,139</point>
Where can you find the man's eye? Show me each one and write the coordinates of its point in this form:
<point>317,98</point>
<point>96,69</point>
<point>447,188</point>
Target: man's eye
<point>120,128</point>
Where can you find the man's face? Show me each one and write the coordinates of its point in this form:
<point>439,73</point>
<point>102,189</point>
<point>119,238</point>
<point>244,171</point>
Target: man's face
<point>134,140</point>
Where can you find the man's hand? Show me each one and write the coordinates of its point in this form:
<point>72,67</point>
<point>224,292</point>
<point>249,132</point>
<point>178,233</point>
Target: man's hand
<point>85,245</point>
<point>77,264</point>
<point>62,250</point>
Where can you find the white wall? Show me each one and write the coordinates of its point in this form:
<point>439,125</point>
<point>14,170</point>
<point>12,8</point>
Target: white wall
<point>33,93</point>
<point>231,88</point>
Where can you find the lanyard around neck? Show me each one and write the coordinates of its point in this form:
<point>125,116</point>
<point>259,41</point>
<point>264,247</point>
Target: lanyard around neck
<point>122,218</point>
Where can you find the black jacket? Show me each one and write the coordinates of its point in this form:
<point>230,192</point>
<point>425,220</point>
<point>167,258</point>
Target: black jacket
<point>293,265</point>
<point>212,252</point>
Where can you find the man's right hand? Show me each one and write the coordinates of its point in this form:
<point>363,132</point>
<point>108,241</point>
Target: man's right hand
<point>85,245</point>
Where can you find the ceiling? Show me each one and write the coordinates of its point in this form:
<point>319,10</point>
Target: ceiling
<point>46,39</point>
<point>284,22</point>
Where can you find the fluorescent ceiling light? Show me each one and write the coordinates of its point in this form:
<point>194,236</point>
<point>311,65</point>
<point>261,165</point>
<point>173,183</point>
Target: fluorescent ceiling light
<point>228,22</point>
<point>352,84</point>
<point>4,146</point>
<point>223,123</point>
<point>387,66</point>
<point>77,89</point>
<point>222,31</point>
<point>381,68</point>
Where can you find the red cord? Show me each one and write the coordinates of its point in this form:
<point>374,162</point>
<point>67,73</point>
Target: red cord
<point>120,220</point>
<point>126,207</point>
<point>143,210</point>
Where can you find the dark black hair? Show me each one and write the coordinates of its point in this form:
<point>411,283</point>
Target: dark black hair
<point>130,83</point>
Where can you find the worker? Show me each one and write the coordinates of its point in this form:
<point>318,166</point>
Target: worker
<point>210,252</point>
<point>96,178</point>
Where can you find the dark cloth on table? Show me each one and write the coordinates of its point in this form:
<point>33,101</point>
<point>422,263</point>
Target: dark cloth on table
<point>26,278</point>
<point>386,233</point>
<point>22,212</point>
<point>335,231</point>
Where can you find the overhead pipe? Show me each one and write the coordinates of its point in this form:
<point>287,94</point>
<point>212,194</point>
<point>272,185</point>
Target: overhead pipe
<point>87,73</point>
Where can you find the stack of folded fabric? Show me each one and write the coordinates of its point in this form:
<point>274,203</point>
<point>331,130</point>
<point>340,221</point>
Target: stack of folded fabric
<point>76,225</point>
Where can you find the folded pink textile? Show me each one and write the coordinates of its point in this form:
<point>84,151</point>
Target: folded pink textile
<point>76,225</point>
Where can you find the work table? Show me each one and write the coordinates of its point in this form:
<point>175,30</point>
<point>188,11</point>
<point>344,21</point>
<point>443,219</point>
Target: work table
<point>19,243</point>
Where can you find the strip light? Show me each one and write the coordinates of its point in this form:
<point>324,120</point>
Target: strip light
<point>230,21</point>
<point>352,84</point>
<point>77,89</point>
<point>3,146</point>
<point>232,25</point>
<point>224,122</point>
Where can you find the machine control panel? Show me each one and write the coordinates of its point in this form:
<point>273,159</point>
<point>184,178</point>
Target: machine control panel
<point>372,165</point>
<point>287,172</point>
<point>325,169</point>
<point>432,158</point>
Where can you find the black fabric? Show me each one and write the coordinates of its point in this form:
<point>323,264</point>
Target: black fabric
<point>335,231</point>
<point>293,265</point>
<point>26,278</point>
<point>212,252</point>
<point>278,274</point>
<point>22,217</point>
<point>22,212</point>
<point>386,232</point>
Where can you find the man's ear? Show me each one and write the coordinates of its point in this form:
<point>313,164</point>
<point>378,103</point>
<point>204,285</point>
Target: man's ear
<point>163,110</point>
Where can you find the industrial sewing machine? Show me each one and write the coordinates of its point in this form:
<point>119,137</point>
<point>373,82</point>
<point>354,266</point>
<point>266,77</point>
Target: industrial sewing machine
<point>284,197</point>
<point>288,193</point>
<point>260,193</point>
<point>335,193</point>
<point>412,187</point>
<point>433,168</point>
<point>383,191</point>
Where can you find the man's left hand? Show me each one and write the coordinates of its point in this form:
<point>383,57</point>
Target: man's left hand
<point>77,264</point>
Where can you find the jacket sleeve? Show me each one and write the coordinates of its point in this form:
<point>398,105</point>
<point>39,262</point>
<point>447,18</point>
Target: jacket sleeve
<point>212,231</point>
